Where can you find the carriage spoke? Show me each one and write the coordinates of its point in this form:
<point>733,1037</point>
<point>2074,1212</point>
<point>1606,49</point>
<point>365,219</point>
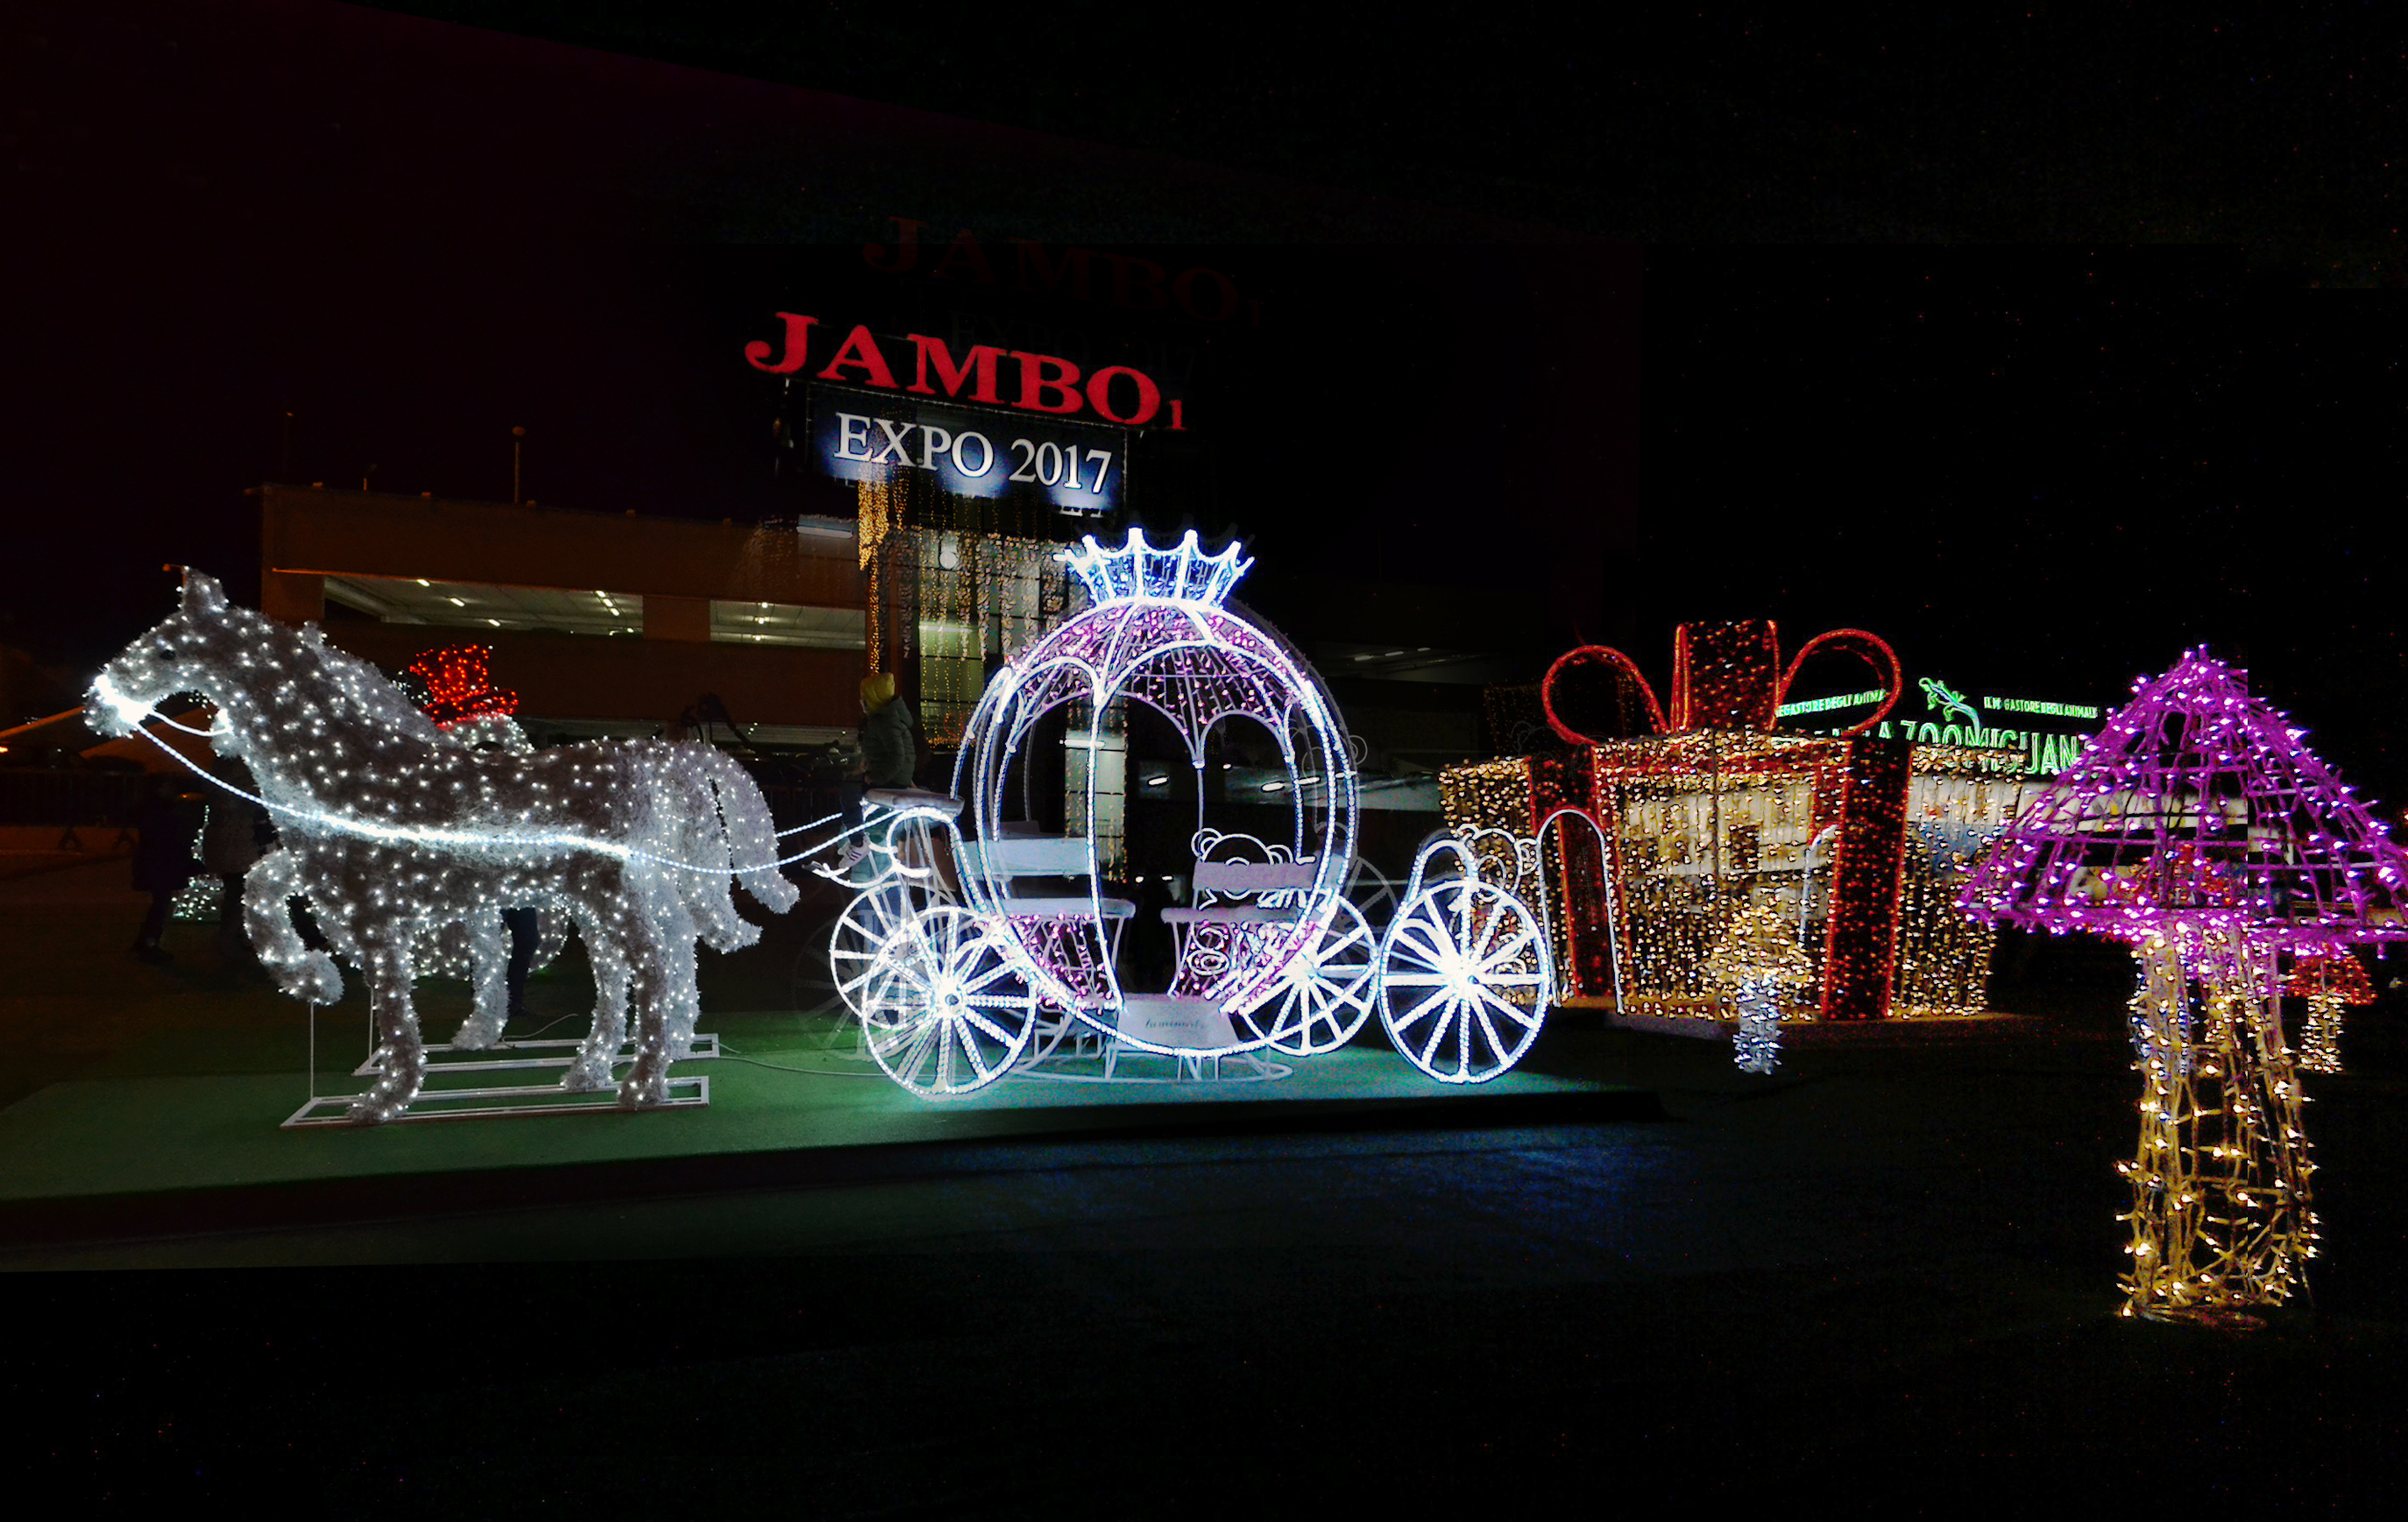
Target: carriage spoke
<point>1507,1008</point>
<point>1358,934</point>
<point>1425,938</point>
<point>980,1023</point>
<point>1495,1047</point>
<point>1508,953</point>
<point>970,1050</point>
<point>922,1039</point>
<point>1419,1009</point>
<point>1001,970</point>
<point>1438,1034</point>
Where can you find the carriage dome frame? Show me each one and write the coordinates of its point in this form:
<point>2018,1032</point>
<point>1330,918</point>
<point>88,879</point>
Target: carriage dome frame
<point>1158,631</point>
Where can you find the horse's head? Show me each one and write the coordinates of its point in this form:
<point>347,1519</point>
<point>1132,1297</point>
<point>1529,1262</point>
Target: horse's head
<point>182,654</point>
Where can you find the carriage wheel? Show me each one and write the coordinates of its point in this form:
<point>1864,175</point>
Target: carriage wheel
<point>1465,977</point>
<point>870,920</point>
<point>1325,994</point>
<point>946,1012</point>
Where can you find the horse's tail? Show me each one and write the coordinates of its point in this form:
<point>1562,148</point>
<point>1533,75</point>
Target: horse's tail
<point>750,834</point>
<point>695,840</point>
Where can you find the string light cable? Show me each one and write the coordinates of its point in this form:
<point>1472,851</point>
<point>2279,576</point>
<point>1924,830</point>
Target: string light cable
<point>136,715</point>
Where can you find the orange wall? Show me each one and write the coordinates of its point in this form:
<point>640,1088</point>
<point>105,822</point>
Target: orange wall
<point>573,676</point>
<point>676,565</point>
<point>375,533</point>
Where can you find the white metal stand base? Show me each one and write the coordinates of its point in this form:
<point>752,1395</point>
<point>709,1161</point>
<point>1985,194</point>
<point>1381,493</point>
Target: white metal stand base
<point>497,1101</point>
<point>493,1103</point>
<point>544,1054</point>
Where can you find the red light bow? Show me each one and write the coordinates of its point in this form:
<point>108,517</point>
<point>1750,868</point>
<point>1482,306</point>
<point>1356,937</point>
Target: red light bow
<point>1728,676</point>
<point>458,687</point>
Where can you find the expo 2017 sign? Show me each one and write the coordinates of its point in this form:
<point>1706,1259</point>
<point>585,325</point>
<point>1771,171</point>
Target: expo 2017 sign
<point>984,424</point>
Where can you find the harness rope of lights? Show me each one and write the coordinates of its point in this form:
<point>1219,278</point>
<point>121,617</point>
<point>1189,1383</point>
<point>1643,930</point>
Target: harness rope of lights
<point>401,835</point>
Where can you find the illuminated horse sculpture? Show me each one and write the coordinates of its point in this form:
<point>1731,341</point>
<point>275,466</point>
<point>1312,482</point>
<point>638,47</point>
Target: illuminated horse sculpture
<point>390,828</point>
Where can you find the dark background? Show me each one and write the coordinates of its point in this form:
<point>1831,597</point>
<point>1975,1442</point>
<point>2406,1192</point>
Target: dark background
<point>2040,468</point>
<point>2059,412</point>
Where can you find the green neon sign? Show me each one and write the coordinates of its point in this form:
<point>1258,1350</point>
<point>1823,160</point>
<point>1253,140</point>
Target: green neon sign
<point>1952,718</point>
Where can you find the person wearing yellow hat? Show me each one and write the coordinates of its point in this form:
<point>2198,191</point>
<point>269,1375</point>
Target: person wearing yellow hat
<point>889,755</point>
<point>889,752</point>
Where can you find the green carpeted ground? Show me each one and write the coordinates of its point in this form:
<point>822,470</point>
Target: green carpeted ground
<point>129,1079</point>
<point>142,1132</point>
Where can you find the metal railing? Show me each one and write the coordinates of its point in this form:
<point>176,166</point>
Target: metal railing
<point>36,795</point>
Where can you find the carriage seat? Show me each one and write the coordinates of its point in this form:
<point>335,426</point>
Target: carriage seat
<point>913,798</point>
<point>1011,857</point>
<point>1229,877</point>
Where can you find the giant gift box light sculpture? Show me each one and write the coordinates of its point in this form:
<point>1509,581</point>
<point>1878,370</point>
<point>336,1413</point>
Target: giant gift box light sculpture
<point>1856,840</point>
<point>389,827</point>
<point>2198,829</point>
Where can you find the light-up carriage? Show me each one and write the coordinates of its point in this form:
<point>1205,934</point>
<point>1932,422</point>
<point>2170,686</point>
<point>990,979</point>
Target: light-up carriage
<point>968,954</point>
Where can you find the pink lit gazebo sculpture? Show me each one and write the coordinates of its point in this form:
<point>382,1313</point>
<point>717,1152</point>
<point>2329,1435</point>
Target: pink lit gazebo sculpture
<point>2199,830</point>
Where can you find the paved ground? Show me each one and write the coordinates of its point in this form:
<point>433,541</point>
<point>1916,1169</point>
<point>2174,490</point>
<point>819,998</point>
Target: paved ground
<point>1883,1281</point>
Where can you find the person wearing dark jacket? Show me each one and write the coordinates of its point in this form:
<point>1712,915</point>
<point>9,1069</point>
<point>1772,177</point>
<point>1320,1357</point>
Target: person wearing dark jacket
<point>230,845</point>
<point>890,754</point>
<point>165,823</point>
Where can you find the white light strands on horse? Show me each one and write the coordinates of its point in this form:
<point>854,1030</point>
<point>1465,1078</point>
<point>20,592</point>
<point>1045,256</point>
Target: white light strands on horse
<point>388,827</point>
<point>463,702</point>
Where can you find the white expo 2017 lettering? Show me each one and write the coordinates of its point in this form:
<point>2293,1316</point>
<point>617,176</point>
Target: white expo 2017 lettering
<point>1047,463</point>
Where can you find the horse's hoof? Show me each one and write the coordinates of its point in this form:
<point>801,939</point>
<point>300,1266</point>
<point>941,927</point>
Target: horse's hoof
<point>586,1078</point>
<point>314,980</point>
<point>477,1037</point>
<point>637,1095</point>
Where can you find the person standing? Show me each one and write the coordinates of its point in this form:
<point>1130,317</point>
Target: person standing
<point>230,845</point>
<point>890,754</point>
<point>890,735</point>
<point>525,925</point>
<point>165,823</point>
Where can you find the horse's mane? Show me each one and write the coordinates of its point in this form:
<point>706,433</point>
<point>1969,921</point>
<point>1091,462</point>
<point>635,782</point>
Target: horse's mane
<point>368,686</point>
<point>351,691</point>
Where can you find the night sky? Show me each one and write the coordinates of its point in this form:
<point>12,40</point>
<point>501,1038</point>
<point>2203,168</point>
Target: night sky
<point>2038,469</point>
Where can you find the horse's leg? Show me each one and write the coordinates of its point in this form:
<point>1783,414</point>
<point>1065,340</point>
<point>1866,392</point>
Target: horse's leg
<point>488,959</point>
<point>651,975</point>
<point>401,1055</point>
<point>591,1073</point>
<point>301,973</point>
<point>682,995</point>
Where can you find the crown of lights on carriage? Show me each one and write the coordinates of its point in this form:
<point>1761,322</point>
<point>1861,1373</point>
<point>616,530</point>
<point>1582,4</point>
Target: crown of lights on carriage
<point>1281,960</point>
